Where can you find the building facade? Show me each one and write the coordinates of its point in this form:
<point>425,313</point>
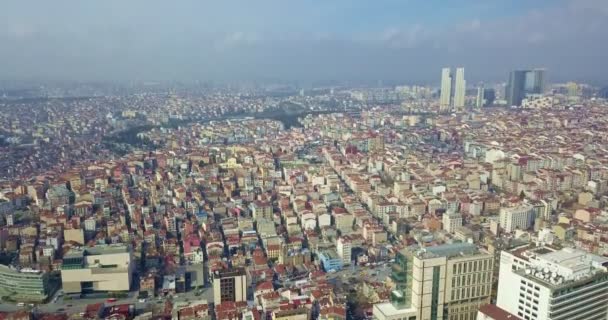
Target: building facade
<point>522,83</point>
<point>451,221</point>
<point>446,89</point>
<point>330,260</point>
<point>100,268</point>
<point>230,285</point>
<point>520,217</point>
<point>24,285</point>
<point>344,248</point>
<point>460,86</point>
<point>547,283</point>
<point>444,282</point>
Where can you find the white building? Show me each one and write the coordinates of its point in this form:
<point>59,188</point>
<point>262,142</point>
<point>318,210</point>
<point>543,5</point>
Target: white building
<point>520,217</point>
<point>460,86</point>
<point>90,224</point>
<point>479,101</point>
<point>451,221</point>
<point>98,268</point>
<point>344,248</point>
<point>545,283</point>
<point>324,220</point>
<point>446,89</point>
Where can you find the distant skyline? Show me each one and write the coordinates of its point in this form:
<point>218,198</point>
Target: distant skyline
<point>318,40</point>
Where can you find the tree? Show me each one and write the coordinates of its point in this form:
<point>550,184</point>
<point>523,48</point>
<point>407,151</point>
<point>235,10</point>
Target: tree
<point>522,195</point>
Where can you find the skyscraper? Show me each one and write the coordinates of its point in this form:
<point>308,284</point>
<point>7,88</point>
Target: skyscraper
<point>522,83</point>
<point>446,89</point>
<point>460,87</point>
<point>480,97</point>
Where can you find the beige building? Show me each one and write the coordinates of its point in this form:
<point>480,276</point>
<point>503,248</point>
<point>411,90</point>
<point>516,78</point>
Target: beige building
<point>76,235</point>
<point>99,268</point>
<point>230,285</point>
<point>294,314</point>
<point>443,282</point>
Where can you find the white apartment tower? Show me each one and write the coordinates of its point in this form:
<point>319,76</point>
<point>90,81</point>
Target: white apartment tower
<point>344,248</point>
<point>446,89</point>
<point>451,221</point>
<point>479,101</point>
<point>460,86</point>
<point>544,283</point>
<point>520,217</point>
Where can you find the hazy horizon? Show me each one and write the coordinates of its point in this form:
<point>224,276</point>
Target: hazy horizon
<point>309,41</point>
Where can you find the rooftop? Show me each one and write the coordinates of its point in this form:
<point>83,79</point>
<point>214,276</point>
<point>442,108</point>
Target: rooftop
<point>447,250</point>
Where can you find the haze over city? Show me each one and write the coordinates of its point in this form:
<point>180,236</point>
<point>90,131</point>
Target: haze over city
<point>304,41</point>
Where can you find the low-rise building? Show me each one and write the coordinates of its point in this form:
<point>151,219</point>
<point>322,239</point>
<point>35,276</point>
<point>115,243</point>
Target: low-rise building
<point>98,268</point>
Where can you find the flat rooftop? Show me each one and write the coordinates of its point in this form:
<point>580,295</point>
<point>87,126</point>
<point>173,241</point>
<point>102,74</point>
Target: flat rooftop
<point>97,250</point>
<point>389,310</point>
<point>448,250</point>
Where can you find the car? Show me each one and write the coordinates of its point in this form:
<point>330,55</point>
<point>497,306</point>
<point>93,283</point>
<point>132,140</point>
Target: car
<point>111,300</point>
<point>20,304</point>
<point>142,300</point>
<point>69,306</point>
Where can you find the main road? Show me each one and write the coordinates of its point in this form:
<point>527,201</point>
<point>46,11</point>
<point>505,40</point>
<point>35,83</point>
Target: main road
<point>75,306</point>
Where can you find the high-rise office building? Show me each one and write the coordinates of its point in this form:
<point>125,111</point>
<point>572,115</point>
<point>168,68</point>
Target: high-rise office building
<point>230,285</point>
<point>522,83</point>
<point>460,86</point>
<point>489,95</point>
<point>479,102</point>
<point>444,282</point>
<point>446,89</point>
<point>539,282</point>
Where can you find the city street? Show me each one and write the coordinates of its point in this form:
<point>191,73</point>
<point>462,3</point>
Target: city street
<point>72,306</point>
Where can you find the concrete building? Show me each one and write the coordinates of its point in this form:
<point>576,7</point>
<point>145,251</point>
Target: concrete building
<point>460,86</point>
<point>25,285</point>
<point>520,217</point>
<point>99,268</point>
<point>451,221</point>
<point>523,83</point>
<point>344,248</point>
<point>479,101</point>
<point>446,89</point>
<point>330,260</point>
<point>444,282</point>
<point>230,285</point>
<point>546,283</point>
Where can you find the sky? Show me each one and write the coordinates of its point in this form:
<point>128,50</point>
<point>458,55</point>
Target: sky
<point>406,41</point>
